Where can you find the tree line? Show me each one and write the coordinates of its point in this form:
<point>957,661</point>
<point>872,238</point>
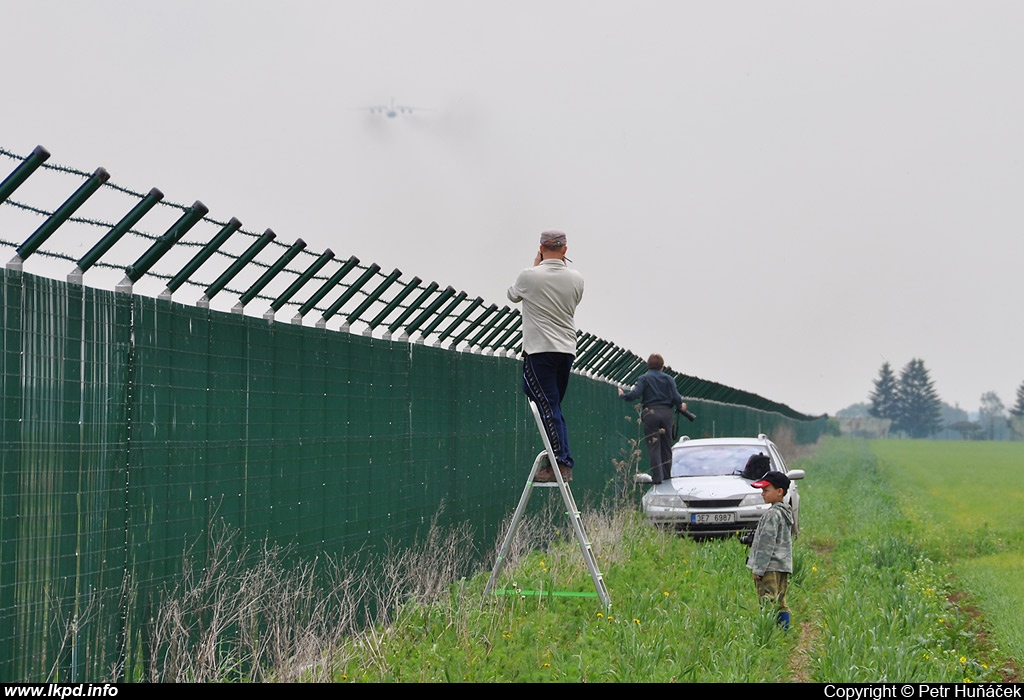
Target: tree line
<point>915,409</point>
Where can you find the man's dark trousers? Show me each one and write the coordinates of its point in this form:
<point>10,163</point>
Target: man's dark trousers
<point>545,379</point>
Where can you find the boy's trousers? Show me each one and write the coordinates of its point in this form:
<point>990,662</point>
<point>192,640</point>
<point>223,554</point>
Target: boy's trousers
<point>773,585</point>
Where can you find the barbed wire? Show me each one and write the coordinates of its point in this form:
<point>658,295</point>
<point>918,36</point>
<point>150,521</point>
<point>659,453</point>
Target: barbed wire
<point>110,184</point>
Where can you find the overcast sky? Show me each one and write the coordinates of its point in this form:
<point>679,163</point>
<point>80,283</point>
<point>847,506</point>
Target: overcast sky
<point>777,196</point>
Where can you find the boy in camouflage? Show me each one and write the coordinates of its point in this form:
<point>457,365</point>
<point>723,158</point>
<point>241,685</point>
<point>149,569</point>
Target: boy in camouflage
<point>771,553</point>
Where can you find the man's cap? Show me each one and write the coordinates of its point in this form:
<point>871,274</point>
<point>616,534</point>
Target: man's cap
<point>776,479</point>
<point>552,239</point>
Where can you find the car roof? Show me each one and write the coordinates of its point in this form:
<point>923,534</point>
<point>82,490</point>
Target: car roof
<point>704,442</point>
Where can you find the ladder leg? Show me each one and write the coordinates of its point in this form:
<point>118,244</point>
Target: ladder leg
<point>506,544</point>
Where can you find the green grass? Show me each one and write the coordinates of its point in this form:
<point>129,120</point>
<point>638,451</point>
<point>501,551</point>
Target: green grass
<point>969,500</point>
<point>996,582</point>
<point>968,484</point>
<point>871,599</point>
<point>882,611</point>
<point>682,611</point>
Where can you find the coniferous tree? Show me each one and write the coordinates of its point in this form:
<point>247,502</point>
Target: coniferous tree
<point>920,408</point>
<point>1018,408</point>
<point>885,397</point>
<point>1016,421</point>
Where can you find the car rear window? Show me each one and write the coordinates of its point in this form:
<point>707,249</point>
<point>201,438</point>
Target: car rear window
<point>711,460</point>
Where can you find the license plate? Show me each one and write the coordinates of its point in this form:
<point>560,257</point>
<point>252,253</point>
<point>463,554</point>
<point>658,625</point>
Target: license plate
<point>712,518</point>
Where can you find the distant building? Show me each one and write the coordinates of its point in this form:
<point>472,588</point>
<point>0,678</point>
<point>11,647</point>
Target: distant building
<point>865,427</point>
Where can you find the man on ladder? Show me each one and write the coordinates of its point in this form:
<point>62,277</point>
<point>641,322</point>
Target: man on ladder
<point>550,292</point>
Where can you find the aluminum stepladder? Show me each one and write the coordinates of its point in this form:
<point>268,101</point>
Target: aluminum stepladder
<point>571,511</point>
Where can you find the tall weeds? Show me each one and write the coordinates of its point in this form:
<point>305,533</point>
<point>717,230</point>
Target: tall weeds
<point>261,615</point>
<point>252,615</point>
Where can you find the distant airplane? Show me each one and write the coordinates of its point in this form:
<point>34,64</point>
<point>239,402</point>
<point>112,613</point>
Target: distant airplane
<point>392,110</point>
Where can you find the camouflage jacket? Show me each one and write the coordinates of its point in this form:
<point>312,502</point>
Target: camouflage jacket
<point>772,549</point>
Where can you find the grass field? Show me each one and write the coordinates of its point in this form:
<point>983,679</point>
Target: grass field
<point>969,499</point>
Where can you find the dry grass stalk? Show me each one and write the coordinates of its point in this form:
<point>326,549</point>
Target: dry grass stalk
<point>268,621</point>
<point>252,615</point>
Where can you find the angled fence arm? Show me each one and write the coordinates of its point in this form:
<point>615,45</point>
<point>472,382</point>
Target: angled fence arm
<point>630,378</point>
<point>134,272</point>
<point>596,356</point>
<point>605,359</point>
<point>63,213</point>
<point>505,316</point>
<point>294,287</point>
<point>411,309</point>
<point>349,293</point>
<point>458,321</point>
<point>294,249</point>
<point>28,166</point>
<point>202,256</point>
<point>251,252</point>
<point>589,347</point>
<point>370,298</point>
<point>326,287</point>
<point>441,315</point>
<point>475,324</point>
<point>115,234</point>
<point>502,342</point>
<point>407,289</point>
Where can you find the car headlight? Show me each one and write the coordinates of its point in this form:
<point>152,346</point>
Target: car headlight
<point>665,501</point>
<point>754,499</point>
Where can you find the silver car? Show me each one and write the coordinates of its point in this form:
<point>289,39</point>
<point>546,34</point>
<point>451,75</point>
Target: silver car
<point>709,493</point>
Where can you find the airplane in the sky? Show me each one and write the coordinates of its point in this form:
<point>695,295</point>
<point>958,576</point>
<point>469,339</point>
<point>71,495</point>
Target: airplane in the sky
<point>392,110</point>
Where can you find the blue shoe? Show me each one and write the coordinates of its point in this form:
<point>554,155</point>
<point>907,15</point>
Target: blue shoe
<point>783,620</point>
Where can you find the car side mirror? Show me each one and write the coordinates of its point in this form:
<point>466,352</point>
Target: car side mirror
<point>642,478</point>
<point>795,474</point>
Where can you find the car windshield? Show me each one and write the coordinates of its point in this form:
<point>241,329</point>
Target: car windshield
<point>711,460</point>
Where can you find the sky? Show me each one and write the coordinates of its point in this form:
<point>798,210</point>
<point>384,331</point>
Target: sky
<point>776,196</point>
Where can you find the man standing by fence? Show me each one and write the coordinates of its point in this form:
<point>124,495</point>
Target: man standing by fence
<point>550,292</point>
